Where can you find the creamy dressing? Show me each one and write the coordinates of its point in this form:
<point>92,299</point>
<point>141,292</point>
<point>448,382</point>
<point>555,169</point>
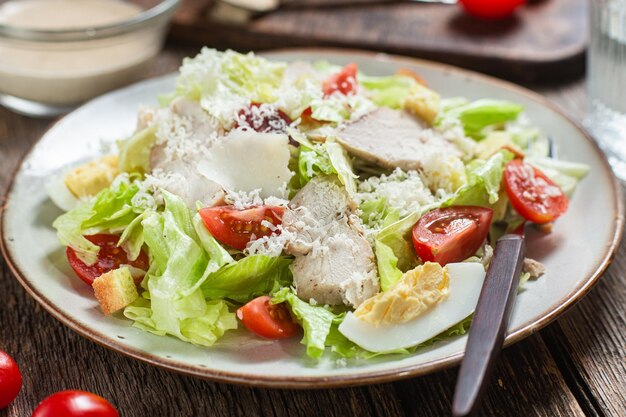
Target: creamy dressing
<point>66,73</point>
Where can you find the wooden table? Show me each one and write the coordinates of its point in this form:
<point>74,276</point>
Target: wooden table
<point>574,367</point>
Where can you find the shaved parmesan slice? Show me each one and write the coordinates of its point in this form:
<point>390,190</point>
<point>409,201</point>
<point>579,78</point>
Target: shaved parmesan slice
<point>466,281</point>
<point>246,160</point>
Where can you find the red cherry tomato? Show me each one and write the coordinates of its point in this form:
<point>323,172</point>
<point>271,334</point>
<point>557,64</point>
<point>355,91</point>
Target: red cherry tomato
<point>234,227</point>
<point>451,234</point>
<point>491,9</point>
<point>263,118</point>
<point>343,82</point>
<point>10,379</point>
<point>532,194</point>
<point>110,257</point>
<point>75,404</point>
<point>272,321</point>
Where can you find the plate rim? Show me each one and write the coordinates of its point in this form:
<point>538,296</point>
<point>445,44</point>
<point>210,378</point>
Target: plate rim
<point>371,377</point>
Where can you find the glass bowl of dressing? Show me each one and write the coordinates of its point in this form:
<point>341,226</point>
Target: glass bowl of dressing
<point>57,54</point>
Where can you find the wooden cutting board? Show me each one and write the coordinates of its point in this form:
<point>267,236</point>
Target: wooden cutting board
<point>545,40</point>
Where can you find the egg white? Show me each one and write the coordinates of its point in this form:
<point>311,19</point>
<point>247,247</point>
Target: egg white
<point>59,193</point>
<point>466,280</point>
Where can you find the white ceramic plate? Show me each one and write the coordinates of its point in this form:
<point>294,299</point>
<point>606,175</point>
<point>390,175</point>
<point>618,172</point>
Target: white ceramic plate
<point>575,253</point>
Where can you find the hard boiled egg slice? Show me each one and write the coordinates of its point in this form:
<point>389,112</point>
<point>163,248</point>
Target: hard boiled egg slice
<point>466,280</point>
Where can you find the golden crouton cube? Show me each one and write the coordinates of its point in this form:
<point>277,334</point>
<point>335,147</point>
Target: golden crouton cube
<point>90,178</point>
<point>115,289</point>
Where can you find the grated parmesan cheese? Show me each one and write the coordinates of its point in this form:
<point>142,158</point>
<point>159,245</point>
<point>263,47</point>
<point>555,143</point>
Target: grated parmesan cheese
<point>243,200</point>
<point>403,191</point>
<point>272,245</point>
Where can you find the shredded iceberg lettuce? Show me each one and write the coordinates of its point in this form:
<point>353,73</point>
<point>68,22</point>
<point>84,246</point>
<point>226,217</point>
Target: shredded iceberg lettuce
<point>111,210</point>
<point>174,303</point>
<point>480,114</point>
<point>225,82</point>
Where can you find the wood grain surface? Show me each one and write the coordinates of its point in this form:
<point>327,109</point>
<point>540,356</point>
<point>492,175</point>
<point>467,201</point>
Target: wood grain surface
<point>546,39</point>
<point>574,367</point>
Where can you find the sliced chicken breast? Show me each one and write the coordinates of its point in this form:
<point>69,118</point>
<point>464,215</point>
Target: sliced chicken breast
<point>174,159</point>
<point>334,262</point>
<point>393,138</point>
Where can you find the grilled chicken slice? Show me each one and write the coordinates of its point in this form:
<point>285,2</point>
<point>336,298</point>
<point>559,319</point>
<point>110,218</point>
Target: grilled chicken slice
<point>393,138</point>
<point>334,262</point>
<point>176,166</point>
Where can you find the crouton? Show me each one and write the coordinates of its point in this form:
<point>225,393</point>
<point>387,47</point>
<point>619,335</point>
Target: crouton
<point>423,102</point>
<point>90,178</point>
<point>115,290</point>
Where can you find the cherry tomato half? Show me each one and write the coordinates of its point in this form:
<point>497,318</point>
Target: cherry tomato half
<point>451,234</point>
<point>263,118</point>
<point>272,321</point>
<point>75,404</point>
<point>10,379</point>
<point>532,194</point>
<point>235,227</point>
<point>344,81</point>
<point>491,9</point>
<point>110,257</point>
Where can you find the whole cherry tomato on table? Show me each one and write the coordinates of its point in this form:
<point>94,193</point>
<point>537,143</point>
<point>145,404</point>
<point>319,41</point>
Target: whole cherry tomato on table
<point>10,379</point>
<point>74,403</point>
<point>491,9</point>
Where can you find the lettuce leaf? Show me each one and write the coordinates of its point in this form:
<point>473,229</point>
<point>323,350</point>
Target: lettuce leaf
<point>389,91</point>
<point>341,165</point>
<point>483,182</point>
<point>224,82</point>
<point>248,278</point>
<point>313,161</point>
<point>316,321</point>
<point>203,330</point>
<point>111,210</point>
<point>477,115</point>
<point>325,159</point>
<point>377,213</point>
<point>394,248</point>
<point>180,265</point>
<point>564,173</point>
<point>134,152</point>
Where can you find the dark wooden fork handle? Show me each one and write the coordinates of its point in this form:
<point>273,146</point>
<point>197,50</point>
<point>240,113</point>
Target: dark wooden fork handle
<point>489,324</point>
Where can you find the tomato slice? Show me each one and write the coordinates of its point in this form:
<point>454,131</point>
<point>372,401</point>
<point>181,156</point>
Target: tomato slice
<point>263,118</point>
<point>491,9</point>
<point>235,227</point>
<point>271,321</point>
<point>110,257</point>
<point>532,194</point>
<point>343,82</point>
<point>451,234</point>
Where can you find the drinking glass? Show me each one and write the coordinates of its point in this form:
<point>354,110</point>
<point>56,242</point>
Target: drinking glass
<point>606,75</point>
